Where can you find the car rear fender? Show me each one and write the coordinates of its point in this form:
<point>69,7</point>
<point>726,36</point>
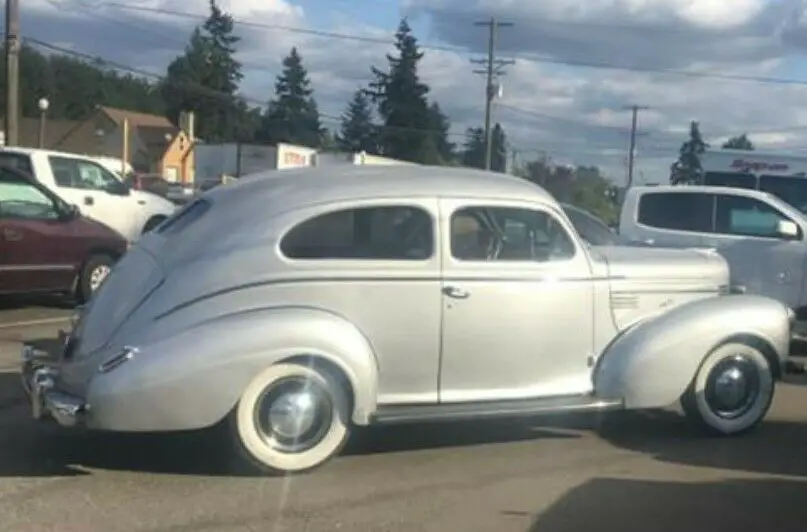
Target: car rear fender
<point>650,364</point>
<point>193,379</point>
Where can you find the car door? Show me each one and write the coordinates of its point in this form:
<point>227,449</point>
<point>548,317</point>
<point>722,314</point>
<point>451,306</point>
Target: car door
<point>517,303</point>
<point>672,218</point>
<point>98,194</point>
<point>35,253</point>
<point>760,259</point>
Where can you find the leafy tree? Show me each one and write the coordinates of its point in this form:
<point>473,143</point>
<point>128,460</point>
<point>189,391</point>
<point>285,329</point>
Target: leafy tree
<point>357,131</point>
<point>402,102</point>
<point>741,142</point>
<point>292,116</point>
<point>687,169</point>
<point>476,145</point>
<point>205,79</point>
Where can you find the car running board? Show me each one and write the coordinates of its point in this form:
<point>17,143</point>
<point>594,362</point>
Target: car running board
<point>399,414</point>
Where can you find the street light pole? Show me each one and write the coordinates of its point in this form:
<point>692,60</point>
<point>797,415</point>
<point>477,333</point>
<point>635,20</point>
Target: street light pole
<point>43,105</point>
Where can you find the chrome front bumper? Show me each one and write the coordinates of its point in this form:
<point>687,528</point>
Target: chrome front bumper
<point>39,374</point>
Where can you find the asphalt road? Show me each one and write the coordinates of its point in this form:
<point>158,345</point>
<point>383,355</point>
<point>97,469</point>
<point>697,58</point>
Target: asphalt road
<point>627,473</point>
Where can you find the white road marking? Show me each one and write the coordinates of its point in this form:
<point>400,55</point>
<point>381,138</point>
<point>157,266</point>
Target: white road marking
<point>33,323</point>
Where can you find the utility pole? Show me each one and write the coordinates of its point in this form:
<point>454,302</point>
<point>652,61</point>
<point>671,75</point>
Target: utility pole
<point>632,154</point>
<point>12,72</point>
<point>491,71</point>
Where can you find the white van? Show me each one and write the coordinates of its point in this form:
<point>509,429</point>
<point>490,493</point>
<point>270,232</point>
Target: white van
<point>97,193</point>
<point>761,236</point>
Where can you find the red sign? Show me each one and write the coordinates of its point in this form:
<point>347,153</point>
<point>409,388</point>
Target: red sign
<point>756,166</point>
<point>297,159</point>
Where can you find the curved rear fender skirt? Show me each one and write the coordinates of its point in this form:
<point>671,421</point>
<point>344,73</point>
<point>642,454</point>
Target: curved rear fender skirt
<point>193,379</point>
<point>651,364</point>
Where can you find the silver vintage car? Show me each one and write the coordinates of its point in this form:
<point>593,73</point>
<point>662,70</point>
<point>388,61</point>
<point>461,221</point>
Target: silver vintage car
<point>294,305</point>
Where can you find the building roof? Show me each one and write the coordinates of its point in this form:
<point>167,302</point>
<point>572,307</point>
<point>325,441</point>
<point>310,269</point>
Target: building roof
<point>136,119</point>
<point>55,132</point>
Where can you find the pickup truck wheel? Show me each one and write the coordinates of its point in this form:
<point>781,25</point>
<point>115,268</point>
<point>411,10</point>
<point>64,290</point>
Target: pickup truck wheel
<point>732,390</point>
<point>94,272</point>
<point>291,418</point>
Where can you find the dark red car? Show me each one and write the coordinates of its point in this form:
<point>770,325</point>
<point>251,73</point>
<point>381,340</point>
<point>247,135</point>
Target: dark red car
<point>46,245</point>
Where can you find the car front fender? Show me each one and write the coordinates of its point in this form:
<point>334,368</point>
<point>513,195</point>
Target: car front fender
<point>192,380</point>
<point>650,364</point>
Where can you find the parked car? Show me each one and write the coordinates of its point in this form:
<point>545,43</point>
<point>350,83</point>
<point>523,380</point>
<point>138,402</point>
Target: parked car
<point>761,236</point>
<point>591,228</point>
<point>99,193</point>
<point>369,295</point>
<point>157,184</point>
<point>46,246</point>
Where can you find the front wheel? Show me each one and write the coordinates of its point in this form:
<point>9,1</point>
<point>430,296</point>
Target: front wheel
<point>291,418</point>
<point>731,392</point>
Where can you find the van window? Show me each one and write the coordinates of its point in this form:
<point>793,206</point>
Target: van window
<point>677,211</point>
<point>367,233</point>
<point>738,215</point>
<point>790,189</point>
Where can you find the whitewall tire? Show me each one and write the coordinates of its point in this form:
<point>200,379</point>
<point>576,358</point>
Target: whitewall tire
<point>291,418</point>
<point>732,390</point>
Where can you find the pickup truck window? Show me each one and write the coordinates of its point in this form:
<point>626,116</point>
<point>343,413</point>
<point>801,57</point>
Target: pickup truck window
<point>20,161</point>
<point>22,200</point>
<point>508,234</point>
<point>738,215</point>
<point>81,174</point>
<point>369,233</point>
<point>677,211</point>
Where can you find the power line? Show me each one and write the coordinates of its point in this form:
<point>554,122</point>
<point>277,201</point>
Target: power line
<point>493,70</point>
<point>538,58</point>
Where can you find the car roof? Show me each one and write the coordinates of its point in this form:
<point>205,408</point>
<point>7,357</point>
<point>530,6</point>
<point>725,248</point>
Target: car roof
<point>32,151</point>
<point>314,185</point>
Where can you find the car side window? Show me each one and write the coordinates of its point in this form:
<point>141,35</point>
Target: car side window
<point>508,234</point>
<point>742,216</point>
<point>677,211</point>
<point>20,161</point>
<point>80,174</point>
<point>367,233</point>
<point>20,199</point>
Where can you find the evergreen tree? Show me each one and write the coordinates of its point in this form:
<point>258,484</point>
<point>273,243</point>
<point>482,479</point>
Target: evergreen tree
<point>205,80</point>
<point>292,116</point>
<point>498,157</point>
<point>739,143</point>
<point>357,131</point>
<point>402,103</point>
<point>687,169</point>
<point>440,127</point>
<point>475,147</point>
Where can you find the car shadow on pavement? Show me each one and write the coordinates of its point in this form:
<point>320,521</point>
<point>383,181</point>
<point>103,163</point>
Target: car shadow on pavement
<point>640,506</point>
<point>775,447</point>
<point>21,302</point>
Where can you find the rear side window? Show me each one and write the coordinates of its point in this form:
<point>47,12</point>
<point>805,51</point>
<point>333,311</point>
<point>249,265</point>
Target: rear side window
<point>738,215</point>
<point>677,211</point>
<point>20,161</point>
<point>184,218</point>
<point>369,233</point>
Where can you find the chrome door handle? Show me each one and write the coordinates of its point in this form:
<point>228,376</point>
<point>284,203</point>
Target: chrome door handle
<point>11,235</point>
<point>456,293</point>
<point>88,200</point>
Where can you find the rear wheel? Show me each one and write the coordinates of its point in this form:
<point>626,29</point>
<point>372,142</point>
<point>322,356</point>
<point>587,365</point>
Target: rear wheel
<point>291,418</point>
<point>732,390</point>
<point>92,276</point>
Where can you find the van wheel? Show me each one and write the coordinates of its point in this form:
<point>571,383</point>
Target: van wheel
<point>291,418</point>
<point>152,223</point>
<point>93,274</point>
<point>731,392</point>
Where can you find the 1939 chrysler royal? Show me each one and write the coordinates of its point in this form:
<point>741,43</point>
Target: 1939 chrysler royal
<point>293,305</point>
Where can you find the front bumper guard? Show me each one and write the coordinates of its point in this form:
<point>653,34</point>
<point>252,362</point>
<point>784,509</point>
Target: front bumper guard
<point>39,373</point>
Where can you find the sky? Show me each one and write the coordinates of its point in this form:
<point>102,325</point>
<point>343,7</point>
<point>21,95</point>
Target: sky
<point>735,66</point>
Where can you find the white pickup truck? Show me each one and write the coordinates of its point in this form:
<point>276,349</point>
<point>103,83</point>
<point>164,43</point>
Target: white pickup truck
<point>96,191</point>
<point>763,238</point>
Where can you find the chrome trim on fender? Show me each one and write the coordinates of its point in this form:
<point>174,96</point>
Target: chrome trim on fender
<point>126,354</point>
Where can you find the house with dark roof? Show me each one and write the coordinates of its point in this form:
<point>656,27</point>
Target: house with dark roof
<point>155,144</point>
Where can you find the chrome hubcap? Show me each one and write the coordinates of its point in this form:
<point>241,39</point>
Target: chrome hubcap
<point>293,415</point>
<point>98,275</point>
<point>733,387</point>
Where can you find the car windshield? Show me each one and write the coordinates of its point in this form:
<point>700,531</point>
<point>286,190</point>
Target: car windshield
<point>590,228</point>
